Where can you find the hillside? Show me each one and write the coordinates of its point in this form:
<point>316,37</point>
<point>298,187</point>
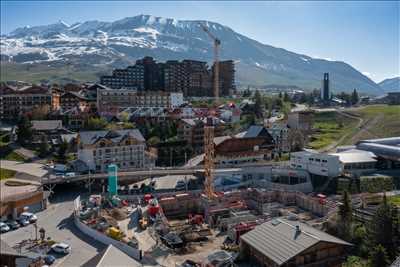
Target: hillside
<point>390,85</point>
<point>94,46</point>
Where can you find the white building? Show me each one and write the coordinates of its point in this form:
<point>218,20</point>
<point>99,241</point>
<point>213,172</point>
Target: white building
<point>316,163</point>
<point>357,161</point>
<point>125,148</point>
<point>114,99</point>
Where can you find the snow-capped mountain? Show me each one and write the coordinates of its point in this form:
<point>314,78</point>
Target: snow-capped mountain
<point>96,47</point>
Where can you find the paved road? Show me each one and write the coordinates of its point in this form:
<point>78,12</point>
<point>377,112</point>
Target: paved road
<point>35,169</point>
<point>58,223</point>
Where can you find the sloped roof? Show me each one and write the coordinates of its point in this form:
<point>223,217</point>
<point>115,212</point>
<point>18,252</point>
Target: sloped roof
<point>47,125</point>
<point>219,139</point>
<point>111,256</point>
<point>91,137</point>
<point>279,240</point>
<point>256,131</point>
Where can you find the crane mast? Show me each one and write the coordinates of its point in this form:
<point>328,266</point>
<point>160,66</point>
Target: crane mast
<point>209,126</point>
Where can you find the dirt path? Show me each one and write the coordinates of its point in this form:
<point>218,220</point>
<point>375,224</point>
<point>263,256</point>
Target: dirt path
<point>364,129</point>
<point>331,147</point>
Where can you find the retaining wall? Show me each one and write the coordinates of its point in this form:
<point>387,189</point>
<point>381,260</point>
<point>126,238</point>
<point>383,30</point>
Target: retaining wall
<point>102,238</point>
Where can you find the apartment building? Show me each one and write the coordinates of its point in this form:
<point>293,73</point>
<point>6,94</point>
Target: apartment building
<point>280,134</point>
<point>125,148</point>
<point>113,99</point>
<point>192,130</point>
<point>192,77</point>
<point>16,101</point>
<point>81,100</point>
<point>226,77</point>
<point>132,77</point>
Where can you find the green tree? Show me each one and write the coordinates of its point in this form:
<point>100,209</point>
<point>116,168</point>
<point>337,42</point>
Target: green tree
<point>360,240</point>
<point>286,97</point>
<point>62,151</point>
<point>96,124</point>
<point>44,149</point>
<point>354,261</point>
<point>153,141</point>
<point>354,97</point>
<point>124,116</point>
<point>280,94</point>
<point>381,230</point>
<point>345,216</point>
<point>24,131</point>
<point>258,109</point>
<point>378,257</point>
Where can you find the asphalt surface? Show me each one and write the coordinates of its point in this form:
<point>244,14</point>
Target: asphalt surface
<point>58,222</point>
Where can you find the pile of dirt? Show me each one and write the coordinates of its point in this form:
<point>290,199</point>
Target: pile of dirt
<point>119,214</point>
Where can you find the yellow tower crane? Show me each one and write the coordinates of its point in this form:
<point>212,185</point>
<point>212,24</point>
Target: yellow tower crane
<point>209,126</point>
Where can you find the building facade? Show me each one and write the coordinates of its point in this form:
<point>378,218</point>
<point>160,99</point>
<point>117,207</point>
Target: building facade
<point>113,99</point>
<point>130,78</point>
<point>280,134</point>
<point>191,77</point>
<point>15,102</point>
<point>317,163</point>
<point>192,131</point>
<point>125,148</point>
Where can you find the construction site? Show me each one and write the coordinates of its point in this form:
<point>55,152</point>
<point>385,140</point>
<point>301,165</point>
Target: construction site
<point>196,228</point>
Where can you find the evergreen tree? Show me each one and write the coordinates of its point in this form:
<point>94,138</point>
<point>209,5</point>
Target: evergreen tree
<point>62,151</point>
<point>24,131</point>
<point>378,257</point>
<point>280,94</point>
<point>345,216</point>
<point>258,109</point>
<point>44,149</point>
<point>381,228</point>
<point>354,97</point>
<point>286,97</point>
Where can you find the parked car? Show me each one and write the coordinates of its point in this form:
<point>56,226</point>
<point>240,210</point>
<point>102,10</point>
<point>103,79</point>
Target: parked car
<point>180,185</point>
<point>61,248</point>
<point>13,225</point>
<point>30,217</point>
<point>49,259</point>
<point>4,227</point>
<point>23,222</point>
<point>70,174</point>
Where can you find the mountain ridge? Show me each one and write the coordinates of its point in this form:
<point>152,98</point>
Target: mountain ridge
<point>390,84</point>
<point>121,42</point>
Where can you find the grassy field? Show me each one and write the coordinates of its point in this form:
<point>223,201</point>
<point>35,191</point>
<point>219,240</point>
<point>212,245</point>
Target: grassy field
<point>5,174</point>
<point>13,156</point>
<point>381,121</point>
<point>395,200</point>
<point>331,126</point>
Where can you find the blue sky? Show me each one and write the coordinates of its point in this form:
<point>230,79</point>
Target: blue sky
<point>364,34</point>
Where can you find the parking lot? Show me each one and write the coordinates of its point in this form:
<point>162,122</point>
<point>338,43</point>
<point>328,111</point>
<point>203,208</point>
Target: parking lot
<point>57,220</point>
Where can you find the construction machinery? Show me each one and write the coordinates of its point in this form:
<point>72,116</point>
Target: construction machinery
<point>196,219</point>
<point>217,44</point>
<point>115,233</point>
<point>209,126</point>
